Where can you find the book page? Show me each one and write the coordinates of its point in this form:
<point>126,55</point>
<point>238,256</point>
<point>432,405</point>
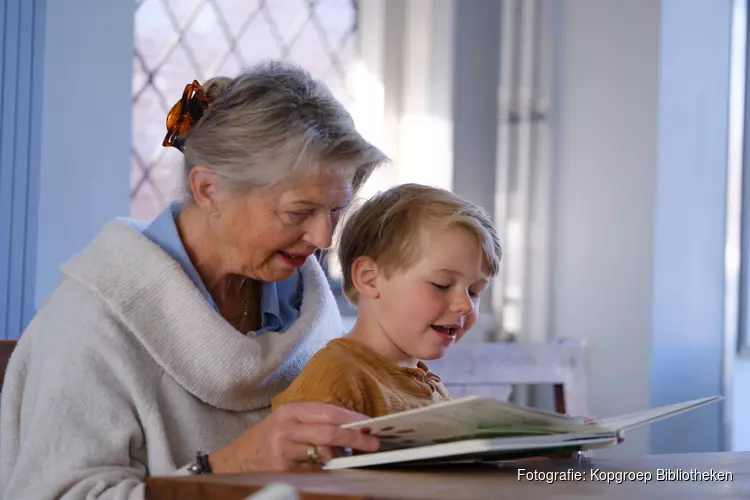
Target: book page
<point>470,417</point>
<point>632,420</point>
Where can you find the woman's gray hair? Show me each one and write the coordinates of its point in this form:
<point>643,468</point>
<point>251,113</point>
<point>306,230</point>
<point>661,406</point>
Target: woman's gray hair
<point>273,122</point>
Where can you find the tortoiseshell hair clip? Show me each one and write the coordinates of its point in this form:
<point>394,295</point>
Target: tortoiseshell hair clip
<point>185,114</point>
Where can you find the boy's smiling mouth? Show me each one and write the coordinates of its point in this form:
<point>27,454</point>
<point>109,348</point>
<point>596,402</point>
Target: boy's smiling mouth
<point>450,330</point>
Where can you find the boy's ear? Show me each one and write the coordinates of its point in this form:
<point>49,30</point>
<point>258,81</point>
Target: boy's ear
<point>365,277</point>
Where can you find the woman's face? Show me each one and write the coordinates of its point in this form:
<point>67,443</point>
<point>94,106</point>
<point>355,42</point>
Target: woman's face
<point>268,233</point>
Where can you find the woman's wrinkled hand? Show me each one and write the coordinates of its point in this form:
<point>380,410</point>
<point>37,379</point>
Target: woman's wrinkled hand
<point>284,440</point>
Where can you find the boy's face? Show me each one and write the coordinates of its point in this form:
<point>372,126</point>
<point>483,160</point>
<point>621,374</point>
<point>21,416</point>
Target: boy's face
<point>428,307</point>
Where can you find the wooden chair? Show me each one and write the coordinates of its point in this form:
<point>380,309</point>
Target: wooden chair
<point>493,368</point>
<point>6,349</point>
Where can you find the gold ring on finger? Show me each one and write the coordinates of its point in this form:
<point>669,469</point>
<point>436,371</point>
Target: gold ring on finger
<point>312,454</point>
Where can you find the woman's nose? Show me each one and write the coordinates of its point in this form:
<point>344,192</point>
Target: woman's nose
<point>320,233</point>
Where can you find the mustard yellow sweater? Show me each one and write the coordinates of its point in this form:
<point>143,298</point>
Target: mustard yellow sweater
<point>346,374</point>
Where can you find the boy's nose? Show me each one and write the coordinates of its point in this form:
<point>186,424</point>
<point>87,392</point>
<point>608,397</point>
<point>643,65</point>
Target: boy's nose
<point>463,304</point>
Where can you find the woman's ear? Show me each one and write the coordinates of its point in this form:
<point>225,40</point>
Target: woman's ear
<point>205,187</point>
<point>365,277</point>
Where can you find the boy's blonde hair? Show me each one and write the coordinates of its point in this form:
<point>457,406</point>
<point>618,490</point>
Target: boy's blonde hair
<point>386,227</point>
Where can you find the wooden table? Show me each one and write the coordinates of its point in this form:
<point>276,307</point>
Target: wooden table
<point>587,479</point>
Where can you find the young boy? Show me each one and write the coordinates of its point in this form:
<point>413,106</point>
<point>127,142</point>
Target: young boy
<point>416,260</point>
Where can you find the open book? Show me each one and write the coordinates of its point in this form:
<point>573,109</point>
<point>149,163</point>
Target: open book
<point>476,428</point>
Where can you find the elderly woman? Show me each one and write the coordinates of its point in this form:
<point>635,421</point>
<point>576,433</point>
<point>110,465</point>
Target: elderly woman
<point>163,345</point>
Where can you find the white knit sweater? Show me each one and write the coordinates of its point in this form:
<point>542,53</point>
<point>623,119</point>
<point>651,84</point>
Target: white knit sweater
<point>127,371</point>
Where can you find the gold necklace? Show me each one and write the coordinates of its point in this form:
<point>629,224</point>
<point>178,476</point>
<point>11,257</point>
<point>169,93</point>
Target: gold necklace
<point>246,308</point>
<point>245,300</point>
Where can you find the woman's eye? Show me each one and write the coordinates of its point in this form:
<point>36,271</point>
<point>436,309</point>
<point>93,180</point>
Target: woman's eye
<point>298,217</point>
<point>441,287</point>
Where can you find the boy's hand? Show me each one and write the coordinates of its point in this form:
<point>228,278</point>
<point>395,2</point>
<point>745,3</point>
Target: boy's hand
<point>596,420</point>
<point>585,420</point>
<point>590,420</point>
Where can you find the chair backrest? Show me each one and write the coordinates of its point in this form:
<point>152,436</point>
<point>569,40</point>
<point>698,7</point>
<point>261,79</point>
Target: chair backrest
<point>6,349</point>
<point>493,368</point>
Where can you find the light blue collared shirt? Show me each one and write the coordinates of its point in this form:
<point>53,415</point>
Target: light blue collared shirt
<point>280,301</point>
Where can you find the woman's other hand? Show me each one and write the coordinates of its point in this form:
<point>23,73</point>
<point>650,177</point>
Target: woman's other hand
<point>286,439</point>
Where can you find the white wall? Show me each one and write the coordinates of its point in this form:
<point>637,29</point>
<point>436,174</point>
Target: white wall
<point>640,120</point>
<point>690,219</point>
<point>605,121</point>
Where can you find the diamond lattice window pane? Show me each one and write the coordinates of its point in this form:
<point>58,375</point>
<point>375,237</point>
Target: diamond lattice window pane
<point>291,15</point>
<point>237,14</point>
<point>184,10</point>
<point>259,41</point>
<point>230,66</point>
<point>177,41</point>
<point>153,31</point>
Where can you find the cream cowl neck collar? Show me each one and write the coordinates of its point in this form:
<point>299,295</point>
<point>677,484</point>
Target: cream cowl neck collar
<point>154,301</point>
